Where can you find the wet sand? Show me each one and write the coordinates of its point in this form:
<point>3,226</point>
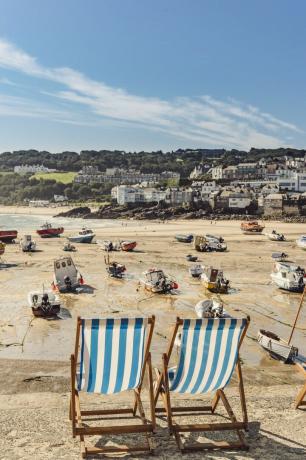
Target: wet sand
<point>34,353</point>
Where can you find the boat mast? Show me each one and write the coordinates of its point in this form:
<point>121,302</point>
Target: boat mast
<point>298,314</point>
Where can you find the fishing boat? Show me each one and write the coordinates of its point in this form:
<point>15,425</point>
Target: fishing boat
<point>66,276</point>
<point>301,242</point>
<point>128,245</point>
<point>251,227</point>
<point>8,236</point>
<point>199,243</point>
<point>214,280</point>
<point>276,347</point>
<point>27,244</point>
<point>275,236</point>
<point>44,303</point>
<point>47,231</point>
<point>195,270</point>
<point>288,276</point>
<point>184,238</point>
<point>191,258</point>
<point>204,244</point>
<point>210,308</point>
<point>68,247</point>
<point>84,236</point>
<point>2,248</point>
<point>156,281</point>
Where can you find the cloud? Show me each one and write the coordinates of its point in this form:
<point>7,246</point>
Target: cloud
<point>203,120</point>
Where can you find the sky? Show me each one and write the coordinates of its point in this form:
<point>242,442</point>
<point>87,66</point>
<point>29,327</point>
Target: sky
<point>149,75</point>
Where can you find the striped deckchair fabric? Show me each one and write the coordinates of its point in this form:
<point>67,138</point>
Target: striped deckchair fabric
<point>209,352</point>
<point>112,354</point>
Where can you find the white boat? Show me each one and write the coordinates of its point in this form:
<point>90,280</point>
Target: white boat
<point>288,276</point>
<point>27,244</point>
<point>66,276</point>
<point>209,243</point>
<point>84,236</point>
<point>213,279</point>
<point>195,270</point>
<point>156,281</point>
<point>275,236</point>
<point>215,237</point>
<point>281,256</point>
<point>276,347</point>
<point>44,303</point>
<point>301,242</point>
<point>210,308</point>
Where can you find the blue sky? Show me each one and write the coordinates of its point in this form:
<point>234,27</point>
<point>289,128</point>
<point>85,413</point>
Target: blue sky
<point>162,74</point>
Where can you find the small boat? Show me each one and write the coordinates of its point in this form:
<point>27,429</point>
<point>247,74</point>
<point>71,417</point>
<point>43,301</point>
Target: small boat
<point>276,347</point>
<point>128,245</point>
<point>68,247</point>
<point>2,248</point>
<point>214,280</point>
<point>44,303</point>
<point>184,238</point>
<point>156,281</point>
<point>251,227</point>
<point>115,270</point>
<point>8,236</point>
<point>66,276</point>
<point>47,231</point>
<point>195,271</point>
<point>288,276</point>
<point>215,237</point>
<point>200,243</point>
<point>27,244</point>
<point>211,308</point>
<point>191,258</point>
<point>301,242</point>
<point>204,244</point>
<point>275,236</point>
<point>279,256</point>
<point>84,236</point>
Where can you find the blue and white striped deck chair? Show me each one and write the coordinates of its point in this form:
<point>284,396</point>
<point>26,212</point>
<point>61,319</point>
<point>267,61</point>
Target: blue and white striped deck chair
<point>113,356</point>
<point>209,353</point>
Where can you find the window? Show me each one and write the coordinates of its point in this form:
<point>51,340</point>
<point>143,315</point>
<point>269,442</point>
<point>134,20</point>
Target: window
<point>69,263</point>
<point>58,265</point>
<point>63,264</point>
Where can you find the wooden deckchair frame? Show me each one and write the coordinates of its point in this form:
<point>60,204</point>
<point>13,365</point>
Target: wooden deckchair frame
<point>162,390</point>
<point>300,399</point>
<point>76,414</point>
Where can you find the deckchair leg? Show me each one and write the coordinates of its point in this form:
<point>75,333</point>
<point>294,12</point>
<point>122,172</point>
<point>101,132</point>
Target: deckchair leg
<point>299,401</point>
<point>242,396</point>
<point>167,393</point>
<point>215,402</point>
<point>232,416</point>
<point>72,396</point>
<point>151,391</point>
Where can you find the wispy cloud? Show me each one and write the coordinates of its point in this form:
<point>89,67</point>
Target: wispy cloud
<point>203,120</point>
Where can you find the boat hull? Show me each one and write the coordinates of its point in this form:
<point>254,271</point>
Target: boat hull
<point>8,236</point>
<point>128,246</point>
<point>81,239</point>
<point>50,232</point>
<point>40,313</point>
<point>277,348</point>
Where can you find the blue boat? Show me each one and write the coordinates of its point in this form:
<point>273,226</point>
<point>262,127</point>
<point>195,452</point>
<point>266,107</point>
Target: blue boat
<point>85,236</point>
<point>184,238</point>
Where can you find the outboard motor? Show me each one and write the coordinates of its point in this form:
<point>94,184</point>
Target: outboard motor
<point>68,283</point>
<point>45,304</point>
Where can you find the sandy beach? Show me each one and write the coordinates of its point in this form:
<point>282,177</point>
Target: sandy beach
<point>34,353</point>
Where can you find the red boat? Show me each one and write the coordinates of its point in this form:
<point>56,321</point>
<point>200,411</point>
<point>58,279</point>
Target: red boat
<point>8,236</point>
<point>47,231</point>
<point>128,245</point>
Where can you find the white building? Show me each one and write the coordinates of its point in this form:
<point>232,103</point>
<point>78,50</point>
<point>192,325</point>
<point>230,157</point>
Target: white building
<point>125,194</point>
<point>217,172</point>
<point>24,169</point>
<point>295,183</point>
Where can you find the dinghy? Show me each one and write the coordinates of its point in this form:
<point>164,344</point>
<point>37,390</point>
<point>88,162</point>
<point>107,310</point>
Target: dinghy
<point>184,238</point>
<point>44,303</point>
<point>84,236</point>
<point>8,236</point>
<point>66,276</point>
<point>275,236</point>
<point>280,256</point>
<point>128,245</point>
<point>215,237</point>
<point>301,242</point>
<point>251,227</point>
<point>114,269</point>
<point>156,281</point>
<point>276,347</point>
<point>27,244</point>
<point>209,308</point>
<point>68,247</point>
<point>214,280</point>
<point>191,258</point>
<point>288,276</point>
<point>195,270</point>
